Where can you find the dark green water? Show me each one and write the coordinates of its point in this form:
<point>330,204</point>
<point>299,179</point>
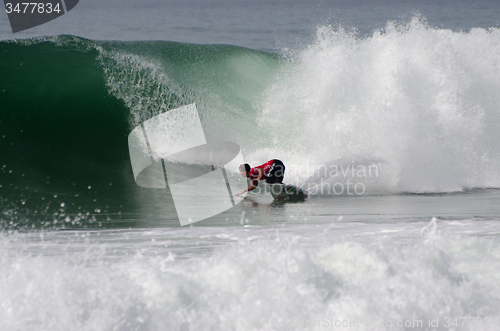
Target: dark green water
<point>67,106</point>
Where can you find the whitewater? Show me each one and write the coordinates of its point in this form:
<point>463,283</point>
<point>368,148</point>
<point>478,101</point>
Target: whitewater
<point>405,119</point>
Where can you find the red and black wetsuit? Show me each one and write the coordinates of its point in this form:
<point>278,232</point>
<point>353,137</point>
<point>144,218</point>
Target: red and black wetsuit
<point>272,172</point>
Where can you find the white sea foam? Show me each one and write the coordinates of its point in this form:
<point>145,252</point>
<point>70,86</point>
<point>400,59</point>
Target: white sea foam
<point>299,278</point>
<point>420,103</point>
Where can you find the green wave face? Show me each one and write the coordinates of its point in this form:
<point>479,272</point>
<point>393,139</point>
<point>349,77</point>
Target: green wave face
<point>68,104</point>
<point>416,104</point>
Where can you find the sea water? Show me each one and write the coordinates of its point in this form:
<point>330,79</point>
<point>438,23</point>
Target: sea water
<point>387,112</point>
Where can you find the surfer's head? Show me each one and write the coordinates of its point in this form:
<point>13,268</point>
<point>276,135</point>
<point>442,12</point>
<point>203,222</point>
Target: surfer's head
<point>244,170</point>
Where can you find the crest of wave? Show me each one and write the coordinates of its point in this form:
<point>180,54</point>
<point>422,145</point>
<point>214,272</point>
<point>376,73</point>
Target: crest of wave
<point>422,104</point>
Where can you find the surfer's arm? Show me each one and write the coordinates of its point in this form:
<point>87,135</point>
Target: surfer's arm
<point>259,170</point>
<point>250,188</point>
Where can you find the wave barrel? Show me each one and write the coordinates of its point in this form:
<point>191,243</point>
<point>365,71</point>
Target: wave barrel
<point>170,150</point>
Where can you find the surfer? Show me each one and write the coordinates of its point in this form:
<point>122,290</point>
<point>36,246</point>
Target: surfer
<point>272,172</point>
